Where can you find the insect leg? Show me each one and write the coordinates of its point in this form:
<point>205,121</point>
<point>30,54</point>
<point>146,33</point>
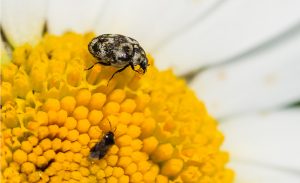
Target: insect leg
<point>102,63</point>
<point>132,67</point>
<point>120,70</point>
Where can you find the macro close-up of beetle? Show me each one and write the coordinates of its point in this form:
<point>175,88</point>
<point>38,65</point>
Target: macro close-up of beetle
<point>118,51</point>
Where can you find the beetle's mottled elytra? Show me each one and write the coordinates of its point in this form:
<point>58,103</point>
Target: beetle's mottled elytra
<point>100,149</point>
<point>118,51</point>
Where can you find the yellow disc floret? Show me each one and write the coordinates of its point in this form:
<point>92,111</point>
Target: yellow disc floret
<point>53,111</point>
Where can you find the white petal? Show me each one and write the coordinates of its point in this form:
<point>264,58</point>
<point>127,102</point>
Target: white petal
<point>23,20</point>
<point>237,26</point>
<point>73,15</point>
<point>268,139</point>
<point>251,173</point>
<point>152,21</point>
<point>266,79</point>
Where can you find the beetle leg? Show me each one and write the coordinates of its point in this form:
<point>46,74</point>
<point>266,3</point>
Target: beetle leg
<point>102,63</point>
<point>120,70</point>
<point>132,67</point>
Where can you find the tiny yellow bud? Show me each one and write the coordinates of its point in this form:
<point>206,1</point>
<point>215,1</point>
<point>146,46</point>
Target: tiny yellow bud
<point>80,112</point>
<point>19,156</point>
<point>95,132</point>
<point>73,135</point>
<point>125,118</point>
<point>26,146</point>
<point>172,167</point>
<point>62,132</point>
<point>74,166</point>
<point>136,144</point>
<point>60,157</point>
<point>131,169</point>
<point>32,157</point>
<point>53,130</point>
<point>27,167</point>
<point>112,180</point>
<point>66,145</point>
<point>43,132</point>
<point>46,144</point>
<point>108,171</point>
<point>149,144</point>
<point>33,125</point>
<point>83,97</point>
<point>56,144</point>
<point>83,125</point>
<point>124,140</point>
<point>70,123</point>
<point>139,156</point>
<point>124,179</point>
<point>52,117</point>
<point>137,118</point>
<point>144,166</point>
<point>61,117</point>
<point>42,118</point>
<point>111,108</point>
<point>51,104</point>
<point>49,154</point>
<point>95,117</point>
<point>84,171</point>
<point>147,127</point>
<point>118,172</point>
<point>163,152</point>
<point>75,147</point>
<point>76,175</point>
<point>69,156</point>
<point>68,103</point>
<point>128,106</point>
<point>41,161</point>
<point>117,95</point>
<point>77,157</point>
<point>164,179</point>
<point>97,101</point>
<point>33,140</point>
<point>124,161</point>
<point>125,151</point>
<point>133,131</point>
<point>112,160</point>
<point>191,173</point>
<point>84,139</point>
<point>38,150</point>
<point>136,177</point>
<point>100,174</point>
<point>34,177</point>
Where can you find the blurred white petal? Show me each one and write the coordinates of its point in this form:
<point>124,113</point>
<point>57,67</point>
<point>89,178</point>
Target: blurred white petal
<point>150,22</point>
<point>266,79</point>
<point>249,173</point>
<point>271,139</point>
<point>234,28</point>
<point>73,15</point>
<point>23,20</point>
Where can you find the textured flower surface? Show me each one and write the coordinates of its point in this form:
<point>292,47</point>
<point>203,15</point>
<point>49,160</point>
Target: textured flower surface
<point>240,57</point>
<point>54,111</point>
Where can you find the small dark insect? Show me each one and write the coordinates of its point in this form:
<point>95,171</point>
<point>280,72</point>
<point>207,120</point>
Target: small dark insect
<point>118,51</point>
<point>100,149</point>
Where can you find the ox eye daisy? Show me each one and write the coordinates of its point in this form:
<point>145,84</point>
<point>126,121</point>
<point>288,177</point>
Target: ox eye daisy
<point>53,112</point>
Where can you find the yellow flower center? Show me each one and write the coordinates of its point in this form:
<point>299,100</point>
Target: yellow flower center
<point>53,112</point>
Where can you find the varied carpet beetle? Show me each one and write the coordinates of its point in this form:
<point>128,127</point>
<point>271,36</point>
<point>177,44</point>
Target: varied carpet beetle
<point>118,51</point>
